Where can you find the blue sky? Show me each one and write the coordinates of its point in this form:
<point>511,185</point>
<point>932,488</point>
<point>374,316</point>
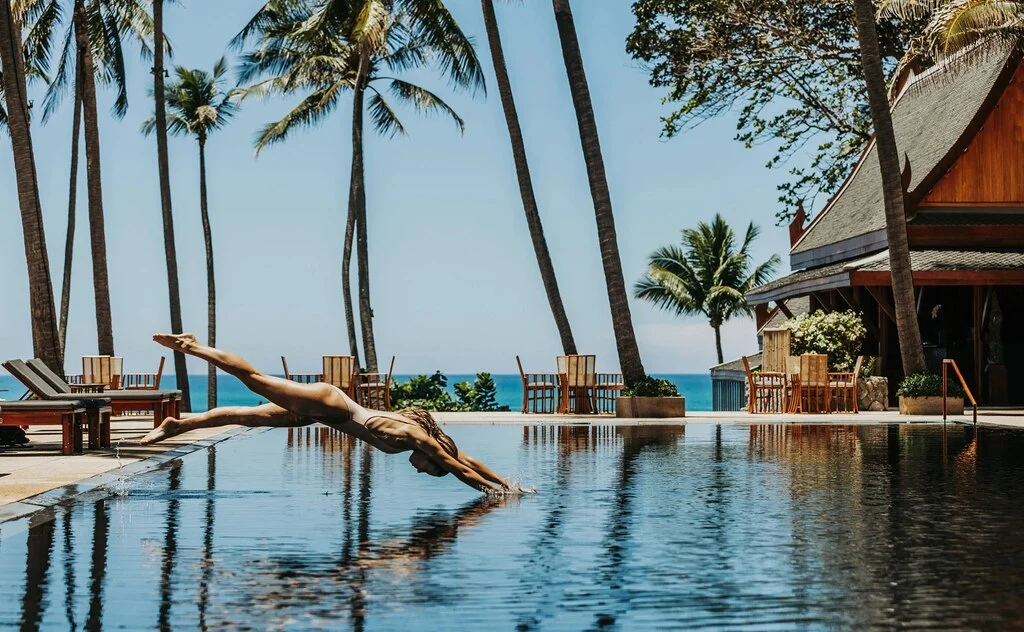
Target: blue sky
<point>454,279</point>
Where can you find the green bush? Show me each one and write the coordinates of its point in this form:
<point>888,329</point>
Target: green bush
<point>430,392</point>
<point>928,385</point>
<point>480,395</point>
<point>652,387</point>
<point>838,334</point>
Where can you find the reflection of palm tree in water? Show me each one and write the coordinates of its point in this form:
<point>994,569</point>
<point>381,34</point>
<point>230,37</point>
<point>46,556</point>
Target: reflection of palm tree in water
<point>170,548</point>
<point>204,579</point>
<point>37,566</point>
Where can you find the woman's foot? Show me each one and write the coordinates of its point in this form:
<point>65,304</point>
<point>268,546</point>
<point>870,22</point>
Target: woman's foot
<point>169,428</point>
<point>177,342</point>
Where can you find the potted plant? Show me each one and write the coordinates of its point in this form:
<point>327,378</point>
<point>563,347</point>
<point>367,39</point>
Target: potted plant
<point>921,394</point>
<point>652,398</point>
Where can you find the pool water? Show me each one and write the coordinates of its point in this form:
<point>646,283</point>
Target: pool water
<point>632,527</point>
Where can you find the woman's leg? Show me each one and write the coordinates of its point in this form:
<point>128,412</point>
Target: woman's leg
<point>267,415</point>
<point>321,401</point>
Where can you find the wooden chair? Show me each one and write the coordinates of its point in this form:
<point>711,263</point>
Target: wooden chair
<point>538,390</point>
<point>302,378</point>
<point>793,382</point>
<point>577,382</point>
<point>843,386</point>
<point>341,371</point>
<point>375,389</point>
<point>814,383</point>
<point>144,381</point>
<point>101,369</point>
<point>609,387</point>
<point>767,390</point>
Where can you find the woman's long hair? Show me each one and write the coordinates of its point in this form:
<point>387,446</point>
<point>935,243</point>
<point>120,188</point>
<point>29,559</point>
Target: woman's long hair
<point>422,418</point>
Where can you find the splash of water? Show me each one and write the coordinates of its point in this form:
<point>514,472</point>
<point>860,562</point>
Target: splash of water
<point>120,486</point>
<point>515,488</point>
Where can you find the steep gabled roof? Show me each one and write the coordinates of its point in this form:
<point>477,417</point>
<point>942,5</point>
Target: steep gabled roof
<point>934,119</point>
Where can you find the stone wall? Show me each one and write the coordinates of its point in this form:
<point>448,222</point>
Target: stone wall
<point>873,393</point>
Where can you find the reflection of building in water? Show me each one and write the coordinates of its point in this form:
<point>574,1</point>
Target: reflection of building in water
<point>590,437</point>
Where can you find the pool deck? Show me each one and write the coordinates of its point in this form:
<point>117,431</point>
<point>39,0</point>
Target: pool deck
<point>40,477</point>
<point>26,475</point>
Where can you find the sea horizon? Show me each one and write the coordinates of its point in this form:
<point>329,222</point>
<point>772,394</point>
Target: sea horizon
<point>695,387</point>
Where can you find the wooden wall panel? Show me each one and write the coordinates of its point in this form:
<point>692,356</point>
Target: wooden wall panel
<point>989,172</point>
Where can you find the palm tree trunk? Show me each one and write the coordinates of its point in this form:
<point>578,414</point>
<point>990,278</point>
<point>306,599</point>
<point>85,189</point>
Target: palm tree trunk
<point>625,339</point>
<point>540,245</point>
<point>69,240</point>
<point>357,201</point>
<point>211,285</point>
<point>170,251</point>
<point>45,339</point>
<point>718,343</point>
<point>907,329</point>
<point>94,186</point>
<point>346,284</point>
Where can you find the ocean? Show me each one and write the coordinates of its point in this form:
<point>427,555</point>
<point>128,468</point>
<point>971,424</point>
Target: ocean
<point>695,387</point>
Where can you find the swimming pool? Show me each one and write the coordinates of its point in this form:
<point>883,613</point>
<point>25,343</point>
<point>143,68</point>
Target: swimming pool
<point>633,527</point>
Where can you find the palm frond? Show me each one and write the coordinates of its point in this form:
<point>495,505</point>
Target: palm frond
<point>424,101</point>
<point>385,119</point>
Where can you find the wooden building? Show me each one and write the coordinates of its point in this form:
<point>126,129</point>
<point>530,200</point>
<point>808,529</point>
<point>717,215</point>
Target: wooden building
<point>960,129</point>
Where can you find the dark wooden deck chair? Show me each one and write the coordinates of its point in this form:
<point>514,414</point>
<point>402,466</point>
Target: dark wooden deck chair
<point>843,387</point>
<point>143,381</point>
<point>98,408</point>
<point>102,369</point>
<point>341,371</point>
<point>375,389</point>
<point>48,385</point>
<point>814,386</point>
<point>577,377</point>
<point>766,390</point>
<point>68,414</point>
<point>538,390</point>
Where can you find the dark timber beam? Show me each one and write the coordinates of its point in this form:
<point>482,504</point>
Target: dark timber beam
<point>880,296</point>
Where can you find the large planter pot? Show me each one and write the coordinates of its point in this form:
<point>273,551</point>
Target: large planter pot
<point>650,407</point>
<point>930,405</point>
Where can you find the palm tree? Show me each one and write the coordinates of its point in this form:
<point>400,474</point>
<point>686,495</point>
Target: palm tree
<point>625,339</point>
<point>163,167</point>
<point>45,339</point>
<point>956,26</point>
<point>94,45</point>
<point>322,47</point>
<point>515,133</point>
<point>707,275</point>
<point>911,349</point>
<point>199,105</point>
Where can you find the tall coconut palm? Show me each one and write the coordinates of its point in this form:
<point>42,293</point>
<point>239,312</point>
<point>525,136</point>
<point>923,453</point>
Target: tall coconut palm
<point>911,349</point>
<point>706,275</point>
<point>92,51</point>
<point>323,47</point>
<point>622,323</point>
<point>515,133</point>
<point>200,104</point>
<point>45,339</point>
<point>166,211</point>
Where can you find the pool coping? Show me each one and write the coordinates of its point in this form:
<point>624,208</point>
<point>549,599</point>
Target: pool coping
<point>97,487</point>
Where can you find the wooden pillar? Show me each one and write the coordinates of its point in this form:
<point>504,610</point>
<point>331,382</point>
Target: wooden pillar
<point>979,351</point>
<point>883,343</point>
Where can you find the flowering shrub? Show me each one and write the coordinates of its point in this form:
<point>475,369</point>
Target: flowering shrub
<point>838,334</point>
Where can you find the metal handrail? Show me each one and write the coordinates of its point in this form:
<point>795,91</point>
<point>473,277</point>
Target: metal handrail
<point>974,404</point>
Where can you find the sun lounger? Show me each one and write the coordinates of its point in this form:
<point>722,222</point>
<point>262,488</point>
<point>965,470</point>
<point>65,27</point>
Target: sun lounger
<point>45,384</point>
<point>68,414</point>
